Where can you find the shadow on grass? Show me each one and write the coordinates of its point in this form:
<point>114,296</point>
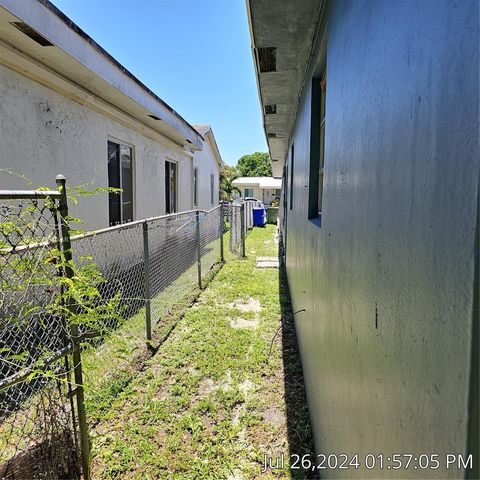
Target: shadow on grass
<point>299,430</point>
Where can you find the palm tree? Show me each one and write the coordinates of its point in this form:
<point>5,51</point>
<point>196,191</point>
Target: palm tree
<point>227,188</point>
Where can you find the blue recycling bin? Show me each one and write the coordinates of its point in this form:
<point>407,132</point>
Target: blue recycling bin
<point>259,217</point>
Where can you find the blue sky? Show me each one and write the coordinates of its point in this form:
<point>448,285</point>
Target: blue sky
<point>194,54</point>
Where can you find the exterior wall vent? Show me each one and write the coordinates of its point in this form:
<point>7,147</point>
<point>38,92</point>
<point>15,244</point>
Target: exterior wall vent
<point>267,59</point>
<point>154,117</point>
<point>270,109</point>
<point>33,34</point>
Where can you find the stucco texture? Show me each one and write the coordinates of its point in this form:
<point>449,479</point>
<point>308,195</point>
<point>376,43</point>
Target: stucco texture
<point>43,133</point>
<point>384,288</point>
<point>207,165</point>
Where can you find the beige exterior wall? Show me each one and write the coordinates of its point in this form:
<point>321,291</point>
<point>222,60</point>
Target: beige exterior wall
<point>43,133</point>
<point>207,164</point>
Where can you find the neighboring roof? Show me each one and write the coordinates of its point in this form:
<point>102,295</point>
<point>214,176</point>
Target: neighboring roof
<point>202,129</point>
<point>65,49</point>
<point>282,35</point>
<point>207,132</point>
<point>261,182</point>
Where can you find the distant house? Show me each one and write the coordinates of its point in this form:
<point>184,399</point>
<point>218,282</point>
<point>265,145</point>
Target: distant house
<point>265,189</point>
<point>207,165</point>
<point>68,107</point>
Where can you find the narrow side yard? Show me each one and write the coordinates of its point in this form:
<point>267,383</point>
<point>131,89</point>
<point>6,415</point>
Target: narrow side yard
<point>222,391</point>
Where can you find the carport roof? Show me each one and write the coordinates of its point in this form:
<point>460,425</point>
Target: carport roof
<point>261,182</point>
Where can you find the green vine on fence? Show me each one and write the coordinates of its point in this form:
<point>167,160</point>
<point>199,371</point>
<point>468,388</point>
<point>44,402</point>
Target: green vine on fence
<point>34,285</point>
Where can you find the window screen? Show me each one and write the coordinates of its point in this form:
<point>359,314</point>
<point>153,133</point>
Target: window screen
<point>292,162</point>
<point>212,189</point>
<point>317,146</point>
<point>195,186</point>
<point>120,175</point>
<point>170,187</point>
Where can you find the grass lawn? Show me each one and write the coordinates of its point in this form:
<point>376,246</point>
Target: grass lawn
<point>223,390</point>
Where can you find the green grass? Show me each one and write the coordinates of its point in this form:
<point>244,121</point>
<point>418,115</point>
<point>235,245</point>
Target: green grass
<point>211,401</point>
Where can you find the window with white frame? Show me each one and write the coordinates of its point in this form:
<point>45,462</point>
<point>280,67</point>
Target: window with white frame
<point>248,192</point>
<point>120,176</point>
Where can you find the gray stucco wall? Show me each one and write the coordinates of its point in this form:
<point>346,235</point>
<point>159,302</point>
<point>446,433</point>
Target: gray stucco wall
<point>43,133</point>
<point>387,280</point>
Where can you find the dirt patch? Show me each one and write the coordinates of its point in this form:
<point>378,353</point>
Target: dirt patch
<point>162,393</point>
<point>237,413</point>
<point>250,305</point>
<point>227,382</point>
<point>246,386</point>
<point>274,416</point>
<point>206,386</point>
<point>235,476</point>
<point>239,322</point>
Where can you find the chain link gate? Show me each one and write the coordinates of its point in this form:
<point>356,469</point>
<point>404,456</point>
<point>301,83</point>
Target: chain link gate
<point>234,217</point>
<point>37,415</point>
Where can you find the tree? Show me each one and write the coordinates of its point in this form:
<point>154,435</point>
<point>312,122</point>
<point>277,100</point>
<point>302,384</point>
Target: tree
<point>256,164</point>
<point>227,188</point>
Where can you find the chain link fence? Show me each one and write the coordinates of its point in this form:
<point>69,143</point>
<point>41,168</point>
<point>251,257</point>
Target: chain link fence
<point>150,266</point>
<point>37,418</point>
<point>154,263</point>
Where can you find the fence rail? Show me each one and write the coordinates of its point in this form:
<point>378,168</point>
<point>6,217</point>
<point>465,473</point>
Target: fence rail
<point>149,266</point>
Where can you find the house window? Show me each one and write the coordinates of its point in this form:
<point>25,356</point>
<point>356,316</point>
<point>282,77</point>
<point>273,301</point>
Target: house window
<point>292,160</point>
<point>212,189</point>
<point>170,187</point>
<point>277,193</point>
<point>248,192</point>
<point>120,175</point>
<point>195,186</point>
<point>317,146</point>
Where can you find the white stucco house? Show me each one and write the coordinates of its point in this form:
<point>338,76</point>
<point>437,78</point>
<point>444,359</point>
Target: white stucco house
<point>265,189</point>
<point>207,165</point>
<point>68,107</point>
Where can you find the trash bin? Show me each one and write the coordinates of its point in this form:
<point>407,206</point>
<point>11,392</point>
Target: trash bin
<point>259,217</point>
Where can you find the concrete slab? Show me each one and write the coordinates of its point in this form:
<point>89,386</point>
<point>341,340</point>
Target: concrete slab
<point>267,262</point>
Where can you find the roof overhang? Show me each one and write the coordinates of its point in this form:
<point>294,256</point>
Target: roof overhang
<point>260,182</point>
<point>289,27</point>
<point>78,67</point>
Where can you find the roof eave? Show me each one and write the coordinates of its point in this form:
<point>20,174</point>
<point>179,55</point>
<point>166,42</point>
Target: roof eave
<point>93,62</point>
<point>291,27</point>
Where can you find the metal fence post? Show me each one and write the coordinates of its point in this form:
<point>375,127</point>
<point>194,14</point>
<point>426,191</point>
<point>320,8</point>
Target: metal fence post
<point>76,355</point>
<point>222,256</point>
<point>146,279</point>
<point>242,227</point>
<point>199,253</point>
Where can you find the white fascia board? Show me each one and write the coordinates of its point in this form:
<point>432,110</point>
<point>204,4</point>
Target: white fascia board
<point>216,151</point>
<point>30,68</point>
<point>89,54</point>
